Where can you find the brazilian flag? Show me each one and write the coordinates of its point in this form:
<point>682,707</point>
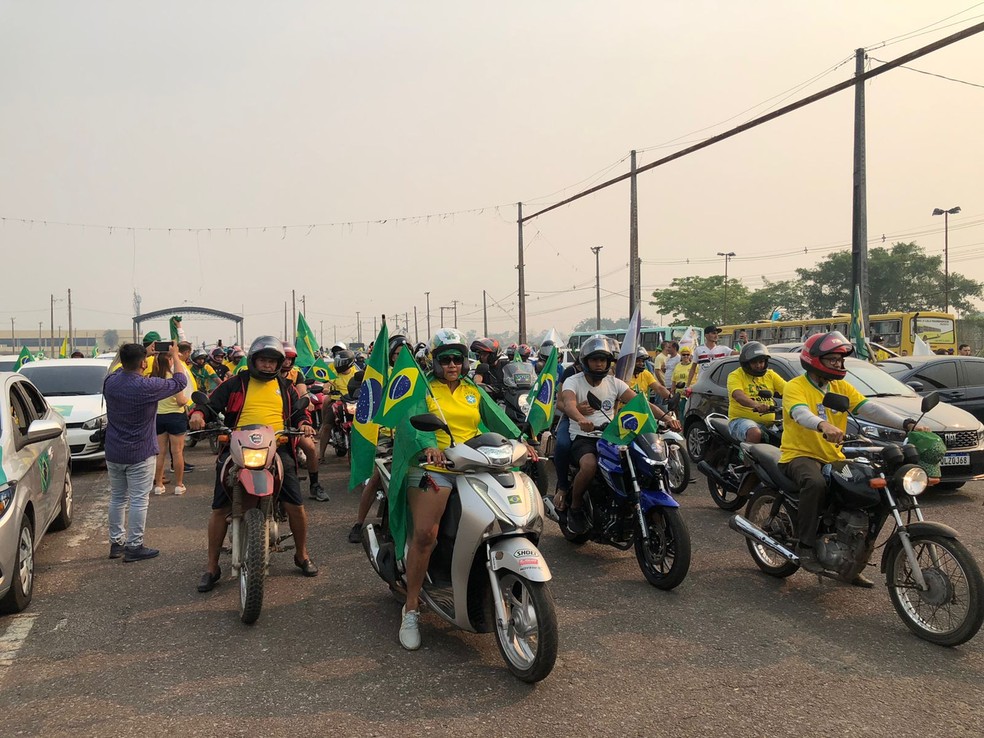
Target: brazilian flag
<point>634,418</point>
<point>405,388</point>
<point>543,396</point>
<point>307,343</point>
<point>242,366</point>
<point>365,433</point>
<point>22,358</point>
<point>322,371</point>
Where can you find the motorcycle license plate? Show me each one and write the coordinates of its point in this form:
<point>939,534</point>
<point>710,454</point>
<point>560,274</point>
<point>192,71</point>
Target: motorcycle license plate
<point>955,460</point>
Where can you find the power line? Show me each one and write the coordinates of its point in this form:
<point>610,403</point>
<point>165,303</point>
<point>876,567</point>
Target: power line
<point>932,74</point>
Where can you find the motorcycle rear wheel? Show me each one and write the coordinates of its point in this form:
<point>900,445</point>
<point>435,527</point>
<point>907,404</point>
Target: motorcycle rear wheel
<point>665,557</point>
<point>724,497</point>
<point>528,639</point>
<point>952,611</point>
<point>678,467</point>
<point>577,539</point>
<point>781,528</point>
<point>252,569</point>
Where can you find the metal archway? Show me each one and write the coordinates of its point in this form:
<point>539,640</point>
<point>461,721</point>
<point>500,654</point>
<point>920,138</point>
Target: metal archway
<point>188,310</point>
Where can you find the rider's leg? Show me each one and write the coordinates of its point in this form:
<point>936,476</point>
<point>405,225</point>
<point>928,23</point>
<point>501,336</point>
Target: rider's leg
<point>369,496</point>
<point>805,472</point>
<point>586,472</point>
<point>297,519</point>
<point>217,527</point>
<point>290,495</point>
<point>327,425</point>
<point>426,508</point>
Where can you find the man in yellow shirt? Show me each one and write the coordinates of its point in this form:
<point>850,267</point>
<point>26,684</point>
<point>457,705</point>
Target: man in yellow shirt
<point>344,365</point>
<point>644,382</point>
<point>257,397</point>
<point>812,433</point>
<point>748,414</point>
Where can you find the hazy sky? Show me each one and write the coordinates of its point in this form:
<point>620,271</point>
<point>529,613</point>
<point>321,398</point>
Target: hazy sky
<point>218,116</point>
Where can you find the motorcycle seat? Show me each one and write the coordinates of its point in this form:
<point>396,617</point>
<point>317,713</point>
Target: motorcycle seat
<point>720,425</point>
<point>768,458</point>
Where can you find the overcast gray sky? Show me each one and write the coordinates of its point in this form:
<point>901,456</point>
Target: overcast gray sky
<point>219,116</point>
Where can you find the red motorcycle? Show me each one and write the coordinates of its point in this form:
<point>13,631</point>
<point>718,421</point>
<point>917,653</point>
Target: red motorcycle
<point>252,476</point>
<point>343,412</point>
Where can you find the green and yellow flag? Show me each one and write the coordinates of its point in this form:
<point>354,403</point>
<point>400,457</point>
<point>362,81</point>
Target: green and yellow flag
<point>322,371</point>
<point>543,396</point>
<point>22,358</point>
<point>242,366</point>
<point>63,351</point>
<point>307,343</point>
<point>405,389</point>
<point>95,352</point>
<point>634,418</point>
<point>365,433</point>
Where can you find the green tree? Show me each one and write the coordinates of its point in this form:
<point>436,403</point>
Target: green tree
<point>607,324</point>
<point>700,300</point>
<point>111,339</point>
<point>786,294</point>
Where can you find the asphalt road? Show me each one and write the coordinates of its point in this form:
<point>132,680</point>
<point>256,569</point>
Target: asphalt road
<point>112,649</point>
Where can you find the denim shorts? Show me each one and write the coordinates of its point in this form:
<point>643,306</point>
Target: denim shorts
<point>173,424</point>
<point>740,426</point>
<point>415,478</point>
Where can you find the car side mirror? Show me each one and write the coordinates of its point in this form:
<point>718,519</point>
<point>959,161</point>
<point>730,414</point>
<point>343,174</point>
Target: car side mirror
<point>43,430</point>
<point>916,385</point>
<point>593,401</point>
<point>837,403</point>
<point>930,401</point>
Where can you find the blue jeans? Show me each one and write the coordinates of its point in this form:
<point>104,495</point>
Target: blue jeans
<point>129,483</point>
<point>562,452</point>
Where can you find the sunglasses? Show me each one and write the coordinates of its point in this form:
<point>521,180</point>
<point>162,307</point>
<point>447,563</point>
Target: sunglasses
<point>448,359</point>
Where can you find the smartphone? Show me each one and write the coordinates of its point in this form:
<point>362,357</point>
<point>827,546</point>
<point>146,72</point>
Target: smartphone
<point>162,347</point>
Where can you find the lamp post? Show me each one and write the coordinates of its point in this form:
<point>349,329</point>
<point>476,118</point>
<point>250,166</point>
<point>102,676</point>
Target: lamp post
<point>727,257</point>
<point>596,250</point>
<point>946,252</point>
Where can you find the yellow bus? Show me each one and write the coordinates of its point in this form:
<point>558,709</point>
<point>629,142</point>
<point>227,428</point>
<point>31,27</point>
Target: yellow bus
<point>652,337</point>
<point>896,331</point>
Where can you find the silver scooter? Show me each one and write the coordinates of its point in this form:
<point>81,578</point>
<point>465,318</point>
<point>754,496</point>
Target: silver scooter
<point>485,573</point>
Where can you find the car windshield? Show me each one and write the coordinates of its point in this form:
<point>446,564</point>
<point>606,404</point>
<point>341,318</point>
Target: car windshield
<point>57,379</point>
<point>872,381</point>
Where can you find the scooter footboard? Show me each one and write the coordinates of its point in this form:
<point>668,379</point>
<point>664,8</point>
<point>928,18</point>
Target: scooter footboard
<point>520,556</point>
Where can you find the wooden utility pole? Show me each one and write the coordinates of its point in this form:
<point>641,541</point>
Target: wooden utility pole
<point>597,250</point>
<point>485,316</point>
<point>293,313</point>
<point>859,212</point>
<point>71,338</point>
<point>416,328</point>
<point>429,334</point>
<point>522,277</point>
<point>635,266</point>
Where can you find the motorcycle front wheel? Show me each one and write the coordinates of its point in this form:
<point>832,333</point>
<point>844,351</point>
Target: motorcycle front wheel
<point>665,557</point>
<point>951,611</point>
<point>724,497</point>
<point>678,467</point>
<point>528,638</point>
<point>696,436</point>
<point>780,527</point>
<point>252,569</point>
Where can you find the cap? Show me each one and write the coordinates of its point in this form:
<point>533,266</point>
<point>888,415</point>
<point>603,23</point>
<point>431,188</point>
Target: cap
<point>711,329</point>
<point>685,351</point>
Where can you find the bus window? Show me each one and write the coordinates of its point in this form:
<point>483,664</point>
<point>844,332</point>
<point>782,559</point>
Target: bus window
<point>842,327</point>
<point>652,340</point>
<point>790,333</point>
<point>934,330</point>
<point>886,332</point>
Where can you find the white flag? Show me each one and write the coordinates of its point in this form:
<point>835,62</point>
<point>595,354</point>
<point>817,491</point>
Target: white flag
<point>689,338</point>
<point>920,347</point>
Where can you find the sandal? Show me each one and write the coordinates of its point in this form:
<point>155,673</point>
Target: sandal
<point>560,495</point>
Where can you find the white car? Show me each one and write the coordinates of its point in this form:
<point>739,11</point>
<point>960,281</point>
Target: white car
<point>73,387</point>
<point>8,362</point>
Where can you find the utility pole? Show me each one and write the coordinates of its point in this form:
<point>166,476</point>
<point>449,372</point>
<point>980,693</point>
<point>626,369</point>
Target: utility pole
<point>485,316</point>
<point>727,257</point>
<point>358,330</point>
<point>304,305</point>
<point>946,252</point>
<point>293,313</point>
<point>597,250</point>
<point>321,340</point>
<point>859,211</point>
<point>374,331</point>
<point>454,304</point>
<point>40,346</point>
<point>416,330</point>
<point>334,332</point>
<point>406,321</point>
<point>71,338</point>
<point>13,341</point>
<point>442,309</point>
<point>51,325</point>
<point>635,266</point>
<point>286,334</point>
<point>522,277</point>
<point>429,334</point>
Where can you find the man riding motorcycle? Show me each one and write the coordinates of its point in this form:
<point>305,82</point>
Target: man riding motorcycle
<point>203,374</point>
<point>644,381</point>
<point>344,373</point>
<point>490,361</point>
<point>216,360</point>
<point>259,396</point>
<point>597,357</point>
<point>293,375</point>
<point>811,432</point>
<point>748,415</point>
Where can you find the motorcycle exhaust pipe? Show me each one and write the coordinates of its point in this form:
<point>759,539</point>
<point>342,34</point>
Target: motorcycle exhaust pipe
<point>709,471</point>
<point>752,532</point>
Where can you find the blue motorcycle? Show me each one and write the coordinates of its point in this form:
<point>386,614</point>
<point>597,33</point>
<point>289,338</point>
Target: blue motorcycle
<point>628,504</point>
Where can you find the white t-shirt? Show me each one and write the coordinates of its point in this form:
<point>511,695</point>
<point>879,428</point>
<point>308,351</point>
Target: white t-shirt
<point>704,355</point>
<point>671,362</point>
<point>608,391</point>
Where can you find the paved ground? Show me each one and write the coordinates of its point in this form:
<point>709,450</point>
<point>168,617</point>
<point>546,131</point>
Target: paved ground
<point>114,649</point>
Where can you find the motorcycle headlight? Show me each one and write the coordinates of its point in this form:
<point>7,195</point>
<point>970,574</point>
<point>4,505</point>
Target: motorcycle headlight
<point>914,480</point>
<point>255,458</point>
<point>95,423</point>
<point>497,455</point>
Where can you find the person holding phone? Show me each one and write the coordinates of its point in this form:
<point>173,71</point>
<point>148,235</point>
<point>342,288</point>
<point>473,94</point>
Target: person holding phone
<point>172,418</point>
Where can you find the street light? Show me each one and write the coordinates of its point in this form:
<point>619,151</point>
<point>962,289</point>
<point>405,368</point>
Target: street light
<point>946,252</point>
<point>597,249</point>
<point>728,256</point>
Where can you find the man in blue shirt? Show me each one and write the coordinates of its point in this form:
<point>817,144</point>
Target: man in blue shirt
<point>131,445</point>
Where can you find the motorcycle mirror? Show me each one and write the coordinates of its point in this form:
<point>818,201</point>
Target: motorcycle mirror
<point>593,401</point>
<point>315,389</point>
<point>930,401</point>
<point>837,403</point>
<point>199,397</point>
<point>428,422</point>
<point>302,403</point>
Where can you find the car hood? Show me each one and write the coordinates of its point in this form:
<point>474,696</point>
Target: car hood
<point>78,408</point>
<point>942,417</point>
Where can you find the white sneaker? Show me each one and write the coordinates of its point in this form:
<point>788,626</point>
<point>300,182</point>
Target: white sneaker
<point>410,630</point>
<point>159,490</point>
<point>180,489</point>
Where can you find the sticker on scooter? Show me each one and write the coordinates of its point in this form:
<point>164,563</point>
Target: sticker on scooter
<point>514,499</point>
<point>524,553</point>
<point>255,438</point>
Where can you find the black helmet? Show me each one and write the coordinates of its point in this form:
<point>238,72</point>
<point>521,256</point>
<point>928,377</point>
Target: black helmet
<point>485,346</point>
<point>543,353</point>
<point>750,352</point>
<point>198,354</point>
<point>595,347</point>
<point>267,346</point>
<point>344,360</point>
<point>395,344</point>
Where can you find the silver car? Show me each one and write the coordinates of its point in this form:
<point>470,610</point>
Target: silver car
<point>35,484</point>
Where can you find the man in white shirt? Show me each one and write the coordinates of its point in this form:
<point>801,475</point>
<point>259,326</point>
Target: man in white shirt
<point>708,352</point>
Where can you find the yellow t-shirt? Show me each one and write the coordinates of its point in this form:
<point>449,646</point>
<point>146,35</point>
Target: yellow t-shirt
<point>150,364</point>
<point>341,382</point>
<point>171,404</point>
<point>460,409</point>
<point>264,405</point>
<point>739,379</point>
<point>208,377</point>
<point>642,381</point>
<point>799,441</point>
<point>680,374</point>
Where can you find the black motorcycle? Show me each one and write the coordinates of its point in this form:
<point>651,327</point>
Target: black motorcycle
<point>730,479</point>
<point>933,581</point>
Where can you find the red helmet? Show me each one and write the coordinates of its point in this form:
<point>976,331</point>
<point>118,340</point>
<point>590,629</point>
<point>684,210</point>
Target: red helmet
<point>289,351</point>
<point>824,344</point>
